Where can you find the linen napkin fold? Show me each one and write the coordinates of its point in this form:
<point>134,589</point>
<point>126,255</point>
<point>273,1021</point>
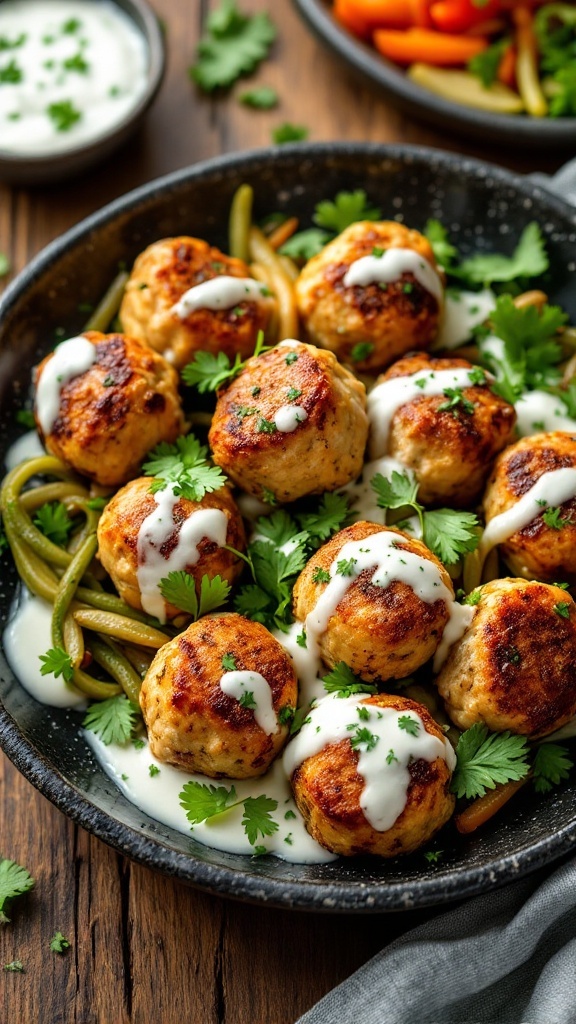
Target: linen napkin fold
<point>506,957</point>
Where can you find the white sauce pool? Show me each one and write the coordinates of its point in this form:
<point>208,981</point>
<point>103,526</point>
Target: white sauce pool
<point>156,530</point>
<point>71,359</point>
<point>550,490</point>
<point>29,446</point>
<point>390,266</point>
<point>463,311</point>
<point>539,412</point>
<point>221,292</point>
<point>75,69</point>
<point>385,399</point>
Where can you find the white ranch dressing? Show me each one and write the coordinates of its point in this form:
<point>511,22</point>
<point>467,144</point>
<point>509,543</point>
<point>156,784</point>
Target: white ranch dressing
<point>463,311</point>
<point>389,267</point>
<point>305,660</point>
<point>538,412</point>
<point>238,683</point>
<point>222,292</point>
<point>29,446</point>
<point>71,359</point>
<point>361,495</point>
<point>83,59</point>
<point>383,761</point>
<point>387,398</point>
<point>27,636</point>
<point>156,530</point>
<point>550,490</point>
<point>390,563</point>
<point>288,417</point>
<point>160,798</point>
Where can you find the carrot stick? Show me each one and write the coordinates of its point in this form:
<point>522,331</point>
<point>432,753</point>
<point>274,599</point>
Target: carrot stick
<point>527,76</point>
<point>420,10</point>
<point>425,46</point>
<point>283,232</point>
<point>479,812</point>
<point>345,13</point>
<point>507,67</point>
<point>375,13</point>
<point>460,15</point>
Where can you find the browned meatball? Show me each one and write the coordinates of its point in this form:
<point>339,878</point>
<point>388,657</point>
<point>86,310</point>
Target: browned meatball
<point>515,666</point>
<point>450,449</point>
<point>381,632</point>
<point>546,547</point>
<point>292,423</point>
<point>111,415</point>
<point>329,787</point>
<point>195,723</point>
<point>136,567</point>
<point>368,325</point>
<point>161,275</point>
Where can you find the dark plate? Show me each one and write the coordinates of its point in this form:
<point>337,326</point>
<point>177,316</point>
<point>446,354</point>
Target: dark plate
<point>486,207</point>
<point>512,131</point>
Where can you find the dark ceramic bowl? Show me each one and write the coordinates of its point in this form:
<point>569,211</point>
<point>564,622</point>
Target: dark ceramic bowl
<point>512,131</point>
<point>486,208</point>
<point>36,170</point>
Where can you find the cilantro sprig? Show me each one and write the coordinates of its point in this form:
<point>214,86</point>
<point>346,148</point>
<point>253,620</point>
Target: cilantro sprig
<point>112,720</point>
<point>57,662</point>
<point>344,682</point>
<point>529,258</point>
<point>179,588</point>
<point>233,44</point>
<point>208,372</point>
<point>185,466</point>
<point>531,351</point>
<point>53,521</point>
<point>14,881</point>
<point>202,802</point>
<point>331,217</point>
<point>552,765</point>
<point>448,533</point>
<point>485,759</point>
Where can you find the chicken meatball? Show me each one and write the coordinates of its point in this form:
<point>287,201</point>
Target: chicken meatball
<point>218,698</point>
<point>439,418</point>
<point>372,294</point>
<point>292,423</point>
<point>371,775</point>
<point>515,666</point>
<point>225,316</point>
<point>537,534</point>
<point>103,401</point>
<point>144,536</point>
<point>376,599</point>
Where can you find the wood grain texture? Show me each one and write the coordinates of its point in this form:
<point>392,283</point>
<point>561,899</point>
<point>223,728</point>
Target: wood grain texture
<point>145,948</point>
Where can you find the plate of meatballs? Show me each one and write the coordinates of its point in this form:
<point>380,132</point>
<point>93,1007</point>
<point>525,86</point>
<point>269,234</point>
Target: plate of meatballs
<point>289,539</point>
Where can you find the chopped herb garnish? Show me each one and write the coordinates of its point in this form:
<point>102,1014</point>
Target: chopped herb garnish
<point>363,350</point>
<point>551,766</point>
<point>456,402</point>
<point>64,115</point>
<point>112,720</point>
<point>179,589</point>
<point>292,394</point>
<point>562,609</point>
<point>265,426</point>
<point>345,567</point>
<point>11,74</point>
<point>342,681</point>
<point>59,944</point>
<point>233,44</point>
<point>262,98</point>
<point>291,358</point>
<point>364,738</point>
<point>289,133</point>
<point>320,575</point>
<point>229,662</point>
<point>409,725</point>
<point>153,770</point>
<point>185,467</point>
<point>53,521</point>
<point>57,662</point>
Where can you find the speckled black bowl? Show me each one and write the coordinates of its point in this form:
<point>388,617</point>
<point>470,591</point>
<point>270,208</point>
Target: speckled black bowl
<point>487,208</point>
<point>32,169</point>
<point>512,131</point>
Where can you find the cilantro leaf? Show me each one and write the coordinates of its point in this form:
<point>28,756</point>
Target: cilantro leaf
<point>261,98</point>
<point>279,528</point>
<point>15,965</point>
<point>274,571</point>
<point>57,663</point>
<point>343,681</point>
<point>233,44</point>
<point>257,818</point>
<point>450,534</point>
<point>409,725</point>
<point>289,133</point>
<point>551,766</point>
<point>254,603</point>
<point>59,944</point>
<point>229,662</point>
<point>305,244</point>
<point>207,372</point>
<point>345,209</point>
<point>331,515</point>
<point>563,102</point>
<point>396,492</point>
<point>179,589</point>
<point>24,417</point>
<point>202,801</point>
<point>485,65</point>
<point>53,521</point>
<point>14,881</point>
<point>185,466</point>
<point>445,253</point>
<point>485,759</point>
<point>529,259</point>
<point>531,352</point>
<point>112,720</point>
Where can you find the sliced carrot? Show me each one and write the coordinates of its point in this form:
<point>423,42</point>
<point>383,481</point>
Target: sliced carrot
<point>283,232</point>
<point>420,10</point>
<point>507,67</point>
<point>345,13</point>
<point>479,812</point>
<point>460,15</point>
<point>375,13</point>
<point>425,46</point>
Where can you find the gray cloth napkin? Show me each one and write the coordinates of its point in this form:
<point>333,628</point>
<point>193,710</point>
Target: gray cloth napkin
<point>507,957</point>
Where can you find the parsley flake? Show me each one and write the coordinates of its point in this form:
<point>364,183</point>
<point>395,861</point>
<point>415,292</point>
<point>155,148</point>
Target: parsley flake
<point>409,725</point>
<point>320,575</point>
<point>288,132</point>
<point>64,115</point>
<point>562,609</point>
<point>233,44</point>
<point>363,350</point>
<point>262,98</point>
<point>229,662</point>
<point>345,567</point>
<point>59,944</point>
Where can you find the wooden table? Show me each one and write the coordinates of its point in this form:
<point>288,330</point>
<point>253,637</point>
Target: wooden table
<point>145,948</point>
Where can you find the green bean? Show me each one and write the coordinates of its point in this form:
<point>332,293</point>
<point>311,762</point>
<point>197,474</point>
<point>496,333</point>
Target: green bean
<point>34,573</point>
<point>240,221</point>
<point>94,688</point>
<point>110,658</point>
<point>282,285</point>
<point>109,305</point>
<point>68,586</point>
<point>111,603</point>
<point>73,640</point>
<point>139,659</point>
<point>120,627</point>
<point>68,494</point>
<point>15,516</point>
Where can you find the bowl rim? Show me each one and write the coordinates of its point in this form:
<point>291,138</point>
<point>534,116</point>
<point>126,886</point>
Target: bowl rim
<point>513,129</point>
<point>156,45</point>
<point>245,883</point>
